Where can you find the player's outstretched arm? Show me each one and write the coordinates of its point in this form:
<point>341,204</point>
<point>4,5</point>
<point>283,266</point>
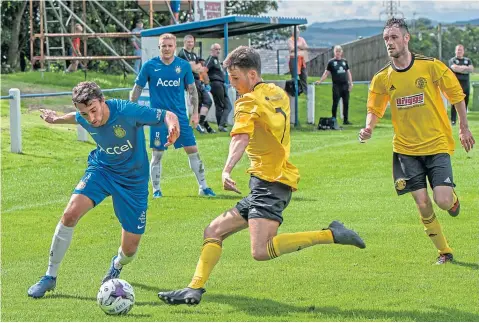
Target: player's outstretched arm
<point>465,135</point>
<point>135,93</point>
<point>366,132</point>
<point>51,117</point>
<point>193,95</point>
<point>238,146</point>
<point>171,121</point>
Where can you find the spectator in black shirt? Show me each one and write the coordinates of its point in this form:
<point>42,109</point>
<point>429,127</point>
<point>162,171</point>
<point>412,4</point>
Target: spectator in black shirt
<point>462,67</point>
<point>204,99</point>
<point>342,82</point>
<point>218,90</point>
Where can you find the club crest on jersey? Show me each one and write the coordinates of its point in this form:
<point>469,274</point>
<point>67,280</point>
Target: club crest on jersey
<point>400,184</point>
<point>421,82</point>
<point>178,70</point>
<point>119,131</point>
<point>157,142</point>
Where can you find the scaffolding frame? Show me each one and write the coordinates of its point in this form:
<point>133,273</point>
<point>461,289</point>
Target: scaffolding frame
<point>73,18</point>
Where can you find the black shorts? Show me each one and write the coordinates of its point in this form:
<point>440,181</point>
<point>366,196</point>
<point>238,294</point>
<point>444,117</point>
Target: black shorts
<point>204,99</point>
<point>410,172</point>
<point>266,200</point>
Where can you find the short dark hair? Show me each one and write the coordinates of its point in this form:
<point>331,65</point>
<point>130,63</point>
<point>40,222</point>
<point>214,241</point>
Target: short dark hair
<point>397,22</point>
<point>84,92</point>
<point>243,57</point>
<point>189,36</point>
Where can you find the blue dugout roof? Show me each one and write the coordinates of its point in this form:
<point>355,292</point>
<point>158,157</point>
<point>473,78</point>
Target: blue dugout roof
<point>234,26</point>
<point>237,25</point>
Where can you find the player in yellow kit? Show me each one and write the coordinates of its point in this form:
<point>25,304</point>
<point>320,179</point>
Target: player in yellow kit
<point>262,129</point>
<point>423,143</point>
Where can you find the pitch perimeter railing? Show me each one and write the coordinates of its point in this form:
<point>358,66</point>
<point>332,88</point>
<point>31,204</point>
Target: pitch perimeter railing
<point>14,96</point>
<point>15,115</point>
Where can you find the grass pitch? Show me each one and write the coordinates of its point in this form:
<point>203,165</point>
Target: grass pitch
<point>393,279</point>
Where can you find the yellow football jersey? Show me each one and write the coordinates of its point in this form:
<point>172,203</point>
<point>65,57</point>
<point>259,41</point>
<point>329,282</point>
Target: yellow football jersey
<point>419,117</point>
<point>264,115</point>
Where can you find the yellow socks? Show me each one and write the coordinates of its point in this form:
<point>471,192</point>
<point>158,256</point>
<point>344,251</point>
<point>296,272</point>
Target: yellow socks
<point>434,231</point>
<point>291,242</point>
<point>210,254</point>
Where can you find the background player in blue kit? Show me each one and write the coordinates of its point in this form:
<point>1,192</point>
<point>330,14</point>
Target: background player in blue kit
<point>167,77</point>
<point>118,166</point>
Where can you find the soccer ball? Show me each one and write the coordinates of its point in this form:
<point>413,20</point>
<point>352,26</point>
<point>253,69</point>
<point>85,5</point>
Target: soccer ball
<point>116,297</point>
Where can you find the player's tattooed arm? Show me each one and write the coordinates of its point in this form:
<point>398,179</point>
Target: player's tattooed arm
<point>135,93</point>
<point>50,116</point>
<point>193,97</point>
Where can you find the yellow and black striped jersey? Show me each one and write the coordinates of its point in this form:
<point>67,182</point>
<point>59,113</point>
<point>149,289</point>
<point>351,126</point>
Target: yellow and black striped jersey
<point>264,114</point>
<point>419,117</point>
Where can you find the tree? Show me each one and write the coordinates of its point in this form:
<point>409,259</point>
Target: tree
<point>12,18</point>
<point>15,27</point>
<point>266,38</point>
<point>425,40</point>
<point>250,7</point>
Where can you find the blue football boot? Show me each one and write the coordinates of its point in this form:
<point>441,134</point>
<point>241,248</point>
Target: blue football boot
<point>112,272</point>
<point>46,284</point>
<point>206,192</point>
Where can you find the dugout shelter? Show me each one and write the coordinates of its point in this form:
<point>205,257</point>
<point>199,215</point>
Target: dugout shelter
<point>223,28</point>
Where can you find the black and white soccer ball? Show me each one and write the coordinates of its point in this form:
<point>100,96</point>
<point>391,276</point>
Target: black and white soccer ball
<point>116,297</point>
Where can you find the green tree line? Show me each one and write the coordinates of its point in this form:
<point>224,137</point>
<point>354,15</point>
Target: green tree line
<point>425,40</point>
<point>15,44</point>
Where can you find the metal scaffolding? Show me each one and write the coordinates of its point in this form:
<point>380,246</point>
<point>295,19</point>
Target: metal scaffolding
<point>60,10</point>
<point>57,7</point>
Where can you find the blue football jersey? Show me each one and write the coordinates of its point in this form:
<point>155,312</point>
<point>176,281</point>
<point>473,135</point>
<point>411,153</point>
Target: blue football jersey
<point>167,83</point>
<point>120,141</point>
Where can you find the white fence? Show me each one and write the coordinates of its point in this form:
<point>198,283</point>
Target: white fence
<point>15,97</point>
<point>82,135</point>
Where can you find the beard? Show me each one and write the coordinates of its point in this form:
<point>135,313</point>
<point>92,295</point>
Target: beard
<point>395,55</point>
<point>398,53</point>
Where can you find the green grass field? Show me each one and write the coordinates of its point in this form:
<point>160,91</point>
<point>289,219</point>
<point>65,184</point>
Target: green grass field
<point>393,279</point>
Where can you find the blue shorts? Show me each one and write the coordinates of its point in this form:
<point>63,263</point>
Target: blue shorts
<point>129,202</point>
<point>159,135</point>
<point>175,5</point>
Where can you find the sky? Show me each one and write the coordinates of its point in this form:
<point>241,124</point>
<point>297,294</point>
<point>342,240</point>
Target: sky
<point>323,11</point>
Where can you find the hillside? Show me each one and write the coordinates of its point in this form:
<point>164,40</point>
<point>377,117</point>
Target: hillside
<point>325,34</point>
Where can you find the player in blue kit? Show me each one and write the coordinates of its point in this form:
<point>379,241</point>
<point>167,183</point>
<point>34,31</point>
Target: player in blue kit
<point>168,76</point>
<point>118,166</point>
